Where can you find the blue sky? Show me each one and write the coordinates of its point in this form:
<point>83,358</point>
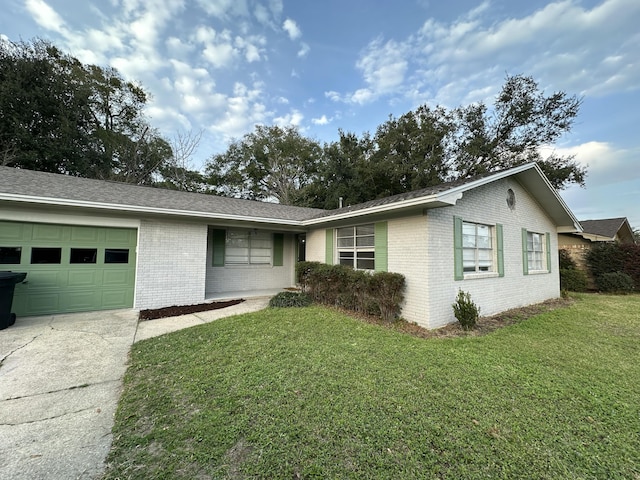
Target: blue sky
<point>222,66</point>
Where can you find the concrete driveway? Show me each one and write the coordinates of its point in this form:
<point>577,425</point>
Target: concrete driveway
<point>60,381</point>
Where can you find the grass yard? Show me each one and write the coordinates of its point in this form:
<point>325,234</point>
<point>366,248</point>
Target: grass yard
<point>312,393</point>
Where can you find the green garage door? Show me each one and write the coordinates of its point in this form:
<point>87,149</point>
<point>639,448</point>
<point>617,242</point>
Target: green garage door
<point>69,268</point>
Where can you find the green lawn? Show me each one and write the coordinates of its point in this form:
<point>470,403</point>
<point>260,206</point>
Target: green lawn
<point>311,393</point>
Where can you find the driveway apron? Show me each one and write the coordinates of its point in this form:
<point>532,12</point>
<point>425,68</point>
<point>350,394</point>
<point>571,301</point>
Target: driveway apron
<point>60,380</point>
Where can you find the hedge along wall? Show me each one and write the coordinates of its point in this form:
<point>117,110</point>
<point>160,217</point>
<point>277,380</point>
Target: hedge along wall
<point>608,258</point>
<point>379,293</point>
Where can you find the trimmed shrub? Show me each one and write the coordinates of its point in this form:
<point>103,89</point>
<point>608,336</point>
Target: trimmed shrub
<point>566,262</point>
<point>388,289</point>
<point>614,282</point>
<point>379,293</point>
<point>465,310</point>
<point>573,280</point>
<point>290,299</point>
<point>631,261</point>
<point>604,258</point>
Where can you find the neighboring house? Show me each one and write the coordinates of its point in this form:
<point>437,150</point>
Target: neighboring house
<point>605,230</point>
<point>90,245</point>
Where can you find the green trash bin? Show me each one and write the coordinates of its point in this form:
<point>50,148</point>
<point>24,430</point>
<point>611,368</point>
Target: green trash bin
<point>8,282</point>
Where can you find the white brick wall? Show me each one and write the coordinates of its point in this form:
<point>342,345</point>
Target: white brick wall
<point>407,241</point>
<point>316,245</point>
<point>247,278</point>
<point>488,205</point>
<point>172,260</point>
<point>421,248</point>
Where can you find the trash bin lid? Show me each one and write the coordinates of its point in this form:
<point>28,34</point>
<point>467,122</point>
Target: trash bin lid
<point>9,278</point>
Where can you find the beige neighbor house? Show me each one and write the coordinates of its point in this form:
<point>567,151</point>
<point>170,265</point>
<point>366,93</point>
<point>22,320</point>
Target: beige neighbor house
<point>90,245</point>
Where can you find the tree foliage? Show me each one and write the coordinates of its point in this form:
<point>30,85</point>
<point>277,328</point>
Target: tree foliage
<point>59,115</point>
<point>419,149</point>
<point>269,163</point>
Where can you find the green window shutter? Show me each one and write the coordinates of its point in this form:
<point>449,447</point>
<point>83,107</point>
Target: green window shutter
<point>219,238</point>
<point>500,249</point>
<point>278,249</point>
<point>525,257</point>
<point>547,236</point>
<point>457,249</point>
<point>381,245</point>
<point>328,256</point>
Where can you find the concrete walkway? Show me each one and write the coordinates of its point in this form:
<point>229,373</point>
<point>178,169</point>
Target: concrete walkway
<point>60,381</point>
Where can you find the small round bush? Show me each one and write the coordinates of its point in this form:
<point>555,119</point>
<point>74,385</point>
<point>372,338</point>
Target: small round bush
<point>573,280</point>
<point>465,310</point>
<point>290,299</point>
<point>615,282</point>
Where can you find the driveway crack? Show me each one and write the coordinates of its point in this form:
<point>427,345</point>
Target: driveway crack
<point>54,417</point>
<point>2,360</point>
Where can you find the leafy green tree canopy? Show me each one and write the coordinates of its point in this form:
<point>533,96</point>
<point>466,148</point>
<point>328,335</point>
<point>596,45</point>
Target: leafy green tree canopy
<point>270,163</point>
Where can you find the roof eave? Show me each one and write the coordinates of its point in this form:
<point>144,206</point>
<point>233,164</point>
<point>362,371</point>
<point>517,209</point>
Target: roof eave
<point>146,210</point>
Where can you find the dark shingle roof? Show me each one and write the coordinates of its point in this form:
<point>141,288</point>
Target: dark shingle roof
<point>75,189</point>
<point>607,227</point>
<point>423,192</point>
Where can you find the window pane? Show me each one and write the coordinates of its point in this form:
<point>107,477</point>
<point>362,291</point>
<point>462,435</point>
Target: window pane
<point>365,230</point>
<point>345,242</point>
<point>366,254</point>
<point>10,255</point>
<point>345,258</point>
<point>46,255</point>
<point>260,255</point>
<point>345,232</point>
<point>83,255</point>
<point>469,229</point>
<point>365,241</point>
<point>365,264</point>
<point>116,255</point>
<point>468,241</point>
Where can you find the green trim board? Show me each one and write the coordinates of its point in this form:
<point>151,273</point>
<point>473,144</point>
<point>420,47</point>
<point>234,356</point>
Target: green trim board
<point>328,254</point>
<point>278,249</point>
<point>458,267</point>
<point>219,238</point>
<point>500,249</point>
<point>525,257</point>
<point>71,268</point>
<point>381,247</point>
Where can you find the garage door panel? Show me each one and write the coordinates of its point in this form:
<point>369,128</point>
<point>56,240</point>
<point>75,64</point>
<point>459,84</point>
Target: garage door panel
<point>11,231</point>
<point>46,279</point>
<point>39,303</point>
<point>84,234</point>
<point>48,233</point>
<point>114,298</point>
<point>65,286</point>
<point>80,300</point>
<point>83,278</point>
<point>120,236</point>
<point>119,277</point>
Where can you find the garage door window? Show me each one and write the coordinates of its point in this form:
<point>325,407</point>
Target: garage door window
<point>42,255</point>
<point>10,255</point>
<point>116,255</point>
<point>83,255</point>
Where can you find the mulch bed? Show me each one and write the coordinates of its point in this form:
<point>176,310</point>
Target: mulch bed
<point>174,311</point>
<point>484,325</point>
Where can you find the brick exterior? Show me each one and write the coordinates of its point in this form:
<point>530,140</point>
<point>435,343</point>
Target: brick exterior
<point>421,248</point>
<point>172,264</point>
<point>247,278</point>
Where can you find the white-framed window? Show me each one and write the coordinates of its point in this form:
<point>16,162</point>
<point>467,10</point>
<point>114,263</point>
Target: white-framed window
<point>356,246</point>
<point>536,252</point>
<point>248,247</point>
<point>477,248</point>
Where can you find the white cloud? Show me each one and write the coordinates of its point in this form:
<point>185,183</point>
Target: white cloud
<point>218,47</point>
<point>323,120</point>
<point>45,16</point>
<point>304,50</point>
<point>292,29</point>
<point>243,110</point>
<point>224,9</point>
<point>605,164</point>
<point>294,118</point>
<point>333,96</point>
